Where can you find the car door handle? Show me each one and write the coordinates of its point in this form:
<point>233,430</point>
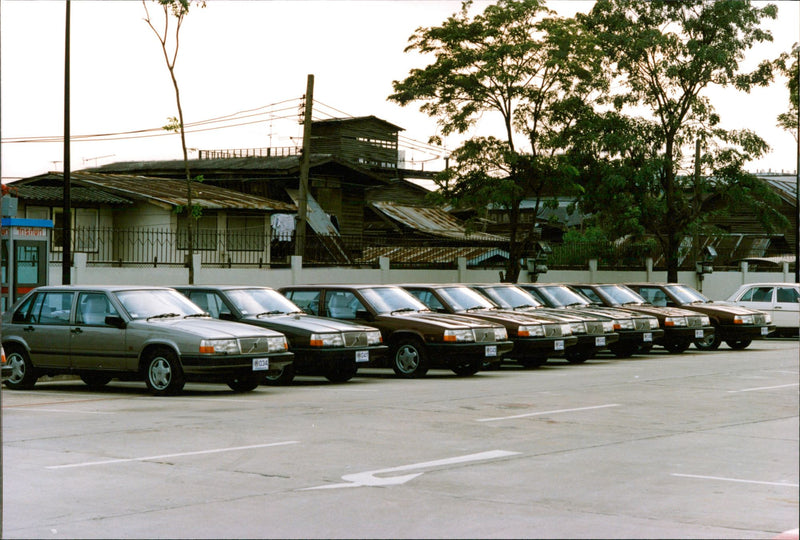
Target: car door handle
<point>77,330</point>
<point>778,307</point>
<point>28,329</point>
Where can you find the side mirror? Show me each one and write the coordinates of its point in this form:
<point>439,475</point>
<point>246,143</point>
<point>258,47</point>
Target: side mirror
<point>116,321</point>
<point>227,316</point>
<point>18,318</point>
<point>363,314</point>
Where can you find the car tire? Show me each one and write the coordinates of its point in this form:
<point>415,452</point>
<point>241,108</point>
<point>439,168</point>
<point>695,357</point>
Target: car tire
<point>645,349</point>
<point>341,373</point>
<point>623,350</point>
<point>677,347</point>
<point>739,344</point>
<point>284,377</point>
<point>246,383</point>
<point>163,373</point>
<point>409,358</point>
<point>579,356</point>
<point>529,362</point>
<point>23,374</point>
<point>96,381</point>
<point>468,369</point>
<point>709,343</point>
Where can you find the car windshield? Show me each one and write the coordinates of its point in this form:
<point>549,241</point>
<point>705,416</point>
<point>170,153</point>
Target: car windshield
<point>391,299</point>
<point>687,295</point>
<point>261,301</point>
<point>511,297</point>
<point>146,303</point>
<point>622,295</point>
<point>560,296</point>
<point>464,298</point>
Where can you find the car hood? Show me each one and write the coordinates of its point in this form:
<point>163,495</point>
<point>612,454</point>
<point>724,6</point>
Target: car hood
<point>203,327</point>
<point>505,317</point>
<point>659,311</point>
<point>308,323</point>
<point>443,320</point>
<point>715,308</point>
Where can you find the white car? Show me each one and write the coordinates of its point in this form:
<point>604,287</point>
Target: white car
<point>780,300</point>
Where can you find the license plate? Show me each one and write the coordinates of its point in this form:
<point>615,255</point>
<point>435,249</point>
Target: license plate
<point>648,336</point>
<point>764,330</point>
<point>491,350</point>
<point>260,364</point>
<point>698,333</point>
<point>362,356</point>
<point>558,345</point>
<point>600,341</point>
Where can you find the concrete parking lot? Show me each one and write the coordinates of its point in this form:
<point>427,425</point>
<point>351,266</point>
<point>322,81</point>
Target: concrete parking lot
<point>695,445</point>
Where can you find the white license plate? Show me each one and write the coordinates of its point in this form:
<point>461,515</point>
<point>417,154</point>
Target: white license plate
<point>260,364</point>
<point>362,356</point>
<point>491,350</point>
<point>558,345</point>
<point>600,341</point>
<point>698,333</point>
<point>648,336</point>
<point>764,330</point>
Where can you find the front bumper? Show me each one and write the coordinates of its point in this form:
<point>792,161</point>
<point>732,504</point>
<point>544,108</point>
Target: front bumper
<point>732,332</point>
<point>685,333</point>
<point>456,354</point>
<point>639,337</point>
<point>211,366</point>
<point>542,346</point>
<point>312,358</point>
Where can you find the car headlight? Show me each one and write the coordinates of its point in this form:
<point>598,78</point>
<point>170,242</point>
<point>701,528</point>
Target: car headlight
<point>578,327</point>
<point>675,321</point>
<point>705,321</point>
<point>459,335</point>
<point>219,346</point>
<point>653,322</point>
<point>566,329</point>
<point>326,340</point>
<point>623,324</point>
<point>374,338</point>
<point>500,334</point>
<point>767,318</point>
<point>608,326</point>
<point>531,330</point>
<point>277,344</point>
<point>743,319</point>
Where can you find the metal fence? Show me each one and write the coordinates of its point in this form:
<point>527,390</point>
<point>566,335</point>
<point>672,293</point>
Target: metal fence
<point>154,248</point>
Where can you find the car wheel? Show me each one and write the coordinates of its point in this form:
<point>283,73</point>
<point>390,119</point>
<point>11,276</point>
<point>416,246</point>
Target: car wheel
<point>739,344</point>
<point>677,347</point>
<point>96,380</point>
<point>579,356</point>
<point>529,362</point>
<point>645,349</point>
<point>283,377</point>
<point>708,343</point>
<point>623,350</point>
<point>467,369</point>
<point>163,373</point>
<point>409,358</point>
<point>23,374</point>
<point>340,374</point>
<point>246,383</point>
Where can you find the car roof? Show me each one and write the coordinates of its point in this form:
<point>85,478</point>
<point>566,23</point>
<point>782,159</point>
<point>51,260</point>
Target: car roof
<point>770,284</point>
<point>222,287</point>
<point>105,288</point>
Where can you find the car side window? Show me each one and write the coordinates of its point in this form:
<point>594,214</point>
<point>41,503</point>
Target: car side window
<point>427,298</point>
<point>52,308</point>
<point>342,305</point>
<point>591,295</point>
<point>209,302</point>
<point>93,308</point>
<point>762,294</point>
<point>788,294</point>
<point>308,301</point>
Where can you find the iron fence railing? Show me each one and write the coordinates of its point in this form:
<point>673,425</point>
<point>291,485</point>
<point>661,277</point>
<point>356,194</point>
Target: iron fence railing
<point>149,247</point>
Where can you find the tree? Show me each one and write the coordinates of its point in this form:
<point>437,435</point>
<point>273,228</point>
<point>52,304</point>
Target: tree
<point>787,63</point>
<point>516,60</point>
<point>664,54</point>
<point>177,9</point>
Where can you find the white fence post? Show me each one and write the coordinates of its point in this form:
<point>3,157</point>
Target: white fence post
<point>297,269</point>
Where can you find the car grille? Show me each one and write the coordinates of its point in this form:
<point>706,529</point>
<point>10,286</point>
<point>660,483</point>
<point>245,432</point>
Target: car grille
<point>484,334</point>
<point>641,324</point>
<point>594,327</point>
<point>694,322</point>
<point>759,318</point>
<point>254,345</point>
<point>552,330</point>
<point>355,339</point>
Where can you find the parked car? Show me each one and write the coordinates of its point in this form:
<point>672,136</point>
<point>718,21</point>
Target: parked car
<point>593,334</point>
<point>321,346</point>
<point>636,330</point>
<point>153,334</point>
<point>418,338</point>
<point>681,327</point>
<point>780,300</point>
<point>735,325</point>
<point>535,338</point>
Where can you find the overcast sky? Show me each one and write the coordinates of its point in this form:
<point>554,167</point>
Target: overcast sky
<point>255,56</point>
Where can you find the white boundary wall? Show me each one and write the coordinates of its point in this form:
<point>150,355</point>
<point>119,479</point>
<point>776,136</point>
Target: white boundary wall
<point>717,285</point>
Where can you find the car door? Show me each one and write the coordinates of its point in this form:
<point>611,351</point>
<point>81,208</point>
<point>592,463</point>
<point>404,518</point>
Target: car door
<point>45,326</point>
<point>761,298</point>
<point>787,307</point>
<point>95,344</point>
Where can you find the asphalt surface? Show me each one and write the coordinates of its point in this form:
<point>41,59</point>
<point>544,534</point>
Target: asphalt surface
<point>696,445</point>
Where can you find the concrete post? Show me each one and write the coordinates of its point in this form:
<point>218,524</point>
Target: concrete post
<point>743,265</point>
<point>462,269</point>
<point>648,264</point>
<point>79,260</point>
<point>385,265</point>
<point>297,269</point>
<point>592,270</point>
<point>786,272</point>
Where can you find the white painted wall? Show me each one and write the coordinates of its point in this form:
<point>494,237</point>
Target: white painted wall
<point>717,285</point>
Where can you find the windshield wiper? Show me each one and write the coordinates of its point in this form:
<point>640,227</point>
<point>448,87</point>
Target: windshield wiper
<point>204,314</point>
<point>164,316</point>
<point>524,306</point>
<point>403,310</point>
<point>273,312</point>
<point>475,308</point>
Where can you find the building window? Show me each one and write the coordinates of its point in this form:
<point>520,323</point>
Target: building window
<point>83,226</point>
<point>245,233</point>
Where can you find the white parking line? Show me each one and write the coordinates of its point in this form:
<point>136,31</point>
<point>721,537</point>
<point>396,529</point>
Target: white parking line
<point>546,412</point>
<point>17,409</point>
<point>782,484</point>
<point>164,456</point>
<point>763,388</point>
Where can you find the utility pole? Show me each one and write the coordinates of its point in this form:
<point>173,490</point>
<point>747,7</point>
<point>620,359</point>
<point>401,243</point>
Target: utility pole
<point>305,160</point>
<point>66,253</point>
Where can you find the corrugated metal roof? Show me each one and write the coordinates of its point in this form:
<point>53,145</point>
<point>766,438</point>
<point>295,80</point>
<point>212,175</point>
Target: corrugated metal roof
<point>785,186</point>
<point>170,192</point>
<point>434,221</point>
<point>440,255</point>
<point>78,195</point>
